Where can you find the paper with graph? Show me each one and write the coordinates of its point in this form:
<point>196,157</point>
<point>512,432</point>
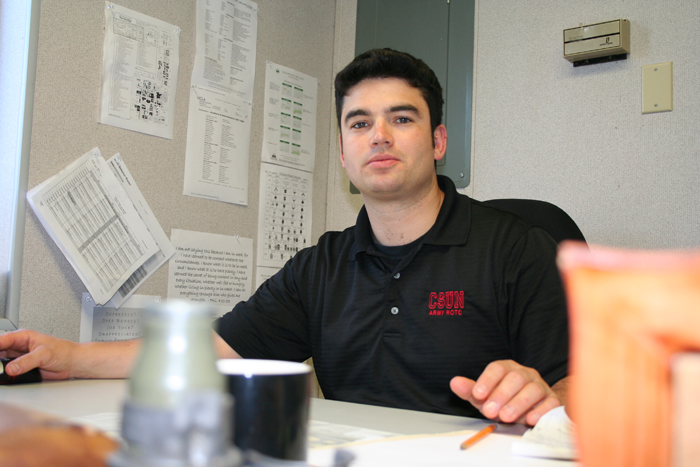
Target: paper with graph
<point>93,221</point>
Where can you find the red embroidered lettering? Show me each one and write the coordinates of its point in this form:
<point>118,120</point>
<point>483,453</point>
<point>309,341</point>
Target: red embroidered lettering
<point>449,299</point>
<point>431,301</point>
<point>450,303</point>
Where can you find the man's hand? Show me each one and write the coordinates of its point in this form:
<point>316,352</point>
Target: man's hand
<point>53,356</point>
<point>62,359</point>
<point>510,392</point>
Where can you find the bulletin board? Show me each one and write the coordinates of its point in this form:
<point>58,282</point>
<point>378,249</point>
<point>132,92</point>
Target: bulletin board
<point>295,34</point>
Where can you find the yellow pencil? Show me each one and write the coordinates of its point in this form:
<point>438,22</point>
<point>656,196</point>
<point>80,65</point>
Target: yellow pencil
<point>472,440</point>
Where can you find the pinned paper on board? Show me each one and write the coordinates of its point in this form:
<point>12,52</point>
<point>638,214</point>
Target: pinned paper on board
<point>289,136</point>
<point>210,269</point>
<point>139,72</point>
<point>104,323</point>
<point>218,147</point>
<point>284,220</point>
<point>226,47</point>
<point>93,220</point>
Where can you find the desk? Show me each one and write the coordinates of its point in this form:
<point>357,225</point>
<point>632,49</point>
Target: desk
<point>85,398</point>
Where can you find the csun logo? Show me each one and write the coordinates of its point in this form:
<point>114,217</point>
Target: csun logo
<point>446,303</point>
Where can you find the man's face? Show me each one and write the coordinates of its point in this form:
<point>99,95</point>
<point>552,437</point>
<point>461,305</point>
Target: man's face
<point>386,142</point>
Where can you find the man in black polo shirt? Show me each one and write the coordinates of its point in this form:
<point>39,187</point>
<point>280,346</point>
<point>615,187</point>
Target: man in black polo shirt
<point>430,289</point>
<point>432,301</point>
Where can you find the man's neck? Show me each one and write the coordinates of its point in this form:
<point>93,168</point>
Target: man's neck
<point>401,222</point>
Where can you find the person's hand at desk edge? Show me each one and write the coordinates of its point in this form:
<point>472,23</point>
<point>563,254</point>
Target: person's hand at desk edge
<point>509,392</point>
<point>63,359</point>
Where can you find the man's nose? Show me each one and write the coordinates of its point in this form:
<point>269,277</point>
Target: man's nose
<point>382,133</point>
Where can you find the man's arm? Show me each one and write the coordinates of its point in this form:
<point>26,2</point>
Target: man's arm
<point>510,392</point>
<point>64,359</point>
<point>223,350</point>
<point>516,392</point>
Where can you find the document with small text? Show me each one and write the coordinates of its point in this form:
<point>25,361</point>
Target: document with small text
<point>139,72</point>
<point>165,249</point>
<point>90,216</point>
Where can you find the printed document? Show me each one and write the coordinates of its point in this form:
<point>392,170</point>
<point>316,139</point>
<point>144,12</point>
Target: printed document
<point>284,219</point>
<point>210,268</point>
<point>107,324</point>
<point>139,72</point>
<point>218,142</point>
<point>165,248</point>
<point>227,32</point>
<point>93,221</point>
<point>289,136</point>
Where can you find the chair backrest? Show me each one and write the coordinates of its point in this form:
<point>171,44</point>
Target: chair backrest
<point>553,219</point>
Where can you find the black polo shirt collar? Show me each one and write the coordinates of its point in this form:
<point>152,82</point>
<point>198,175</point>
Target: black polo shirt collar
<point>451,226</point>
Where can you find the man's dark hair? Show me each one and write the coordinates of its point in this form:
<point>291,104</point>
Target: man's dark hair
<point>388,63</point>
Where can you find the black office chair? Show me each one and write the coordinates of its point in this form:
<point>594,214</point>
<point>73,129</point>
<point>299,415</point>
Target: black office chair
<point>553,219</point>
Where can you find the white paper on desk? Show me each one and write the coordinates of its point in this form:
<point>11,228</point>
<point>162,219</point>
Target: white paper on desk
<point>284,220</point>
<point>93,221</point>
<point>165,248</point>
<point>218,143</point>
<point>139,72</point>
<point>552,437</point>
<point>289,136</point>
<point>210,268</point>
<point>423,450</point>
<point>106,323</point>
<point>227,32</point>
<point>324,434</point>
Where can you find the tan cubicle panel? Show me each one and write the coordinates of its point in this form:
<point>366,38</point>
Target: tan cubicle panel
<point>298,35</point>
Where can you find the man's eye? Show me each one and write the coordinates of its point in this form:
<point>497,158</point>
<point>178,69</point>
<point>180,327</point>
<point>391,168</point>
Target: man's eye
<point>403,120</point>
<point>359,125</point>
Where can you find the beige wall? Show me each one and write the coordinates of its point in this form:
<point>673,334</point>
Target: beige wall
<point>576,136</point>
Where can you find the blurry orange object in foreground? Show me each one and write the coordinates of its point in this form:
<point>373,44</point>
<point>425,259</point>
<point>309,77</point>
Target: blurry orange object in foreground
<point>630,311</point>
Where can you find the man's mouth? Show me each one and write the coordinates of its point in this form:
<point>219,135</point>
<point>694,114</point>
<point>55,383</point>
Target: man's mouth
<point>382,160</point>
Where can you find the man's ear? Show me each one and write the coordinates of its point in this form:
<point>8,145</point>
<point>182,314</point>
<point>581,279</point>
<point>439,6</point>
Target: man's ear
<point>439,142</point>
<point>342,156</point>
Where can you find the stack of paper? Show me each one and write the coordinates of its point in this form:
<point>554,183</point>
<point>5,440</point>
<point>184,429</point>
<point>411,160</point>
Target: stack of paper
<point>101,222</point>
<point>552,437</point>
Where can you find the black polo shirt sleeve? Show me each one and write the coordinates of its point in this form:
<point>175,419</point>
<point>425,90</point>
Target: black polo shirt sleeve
<point>273,323</point>
<point>532,294</point>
